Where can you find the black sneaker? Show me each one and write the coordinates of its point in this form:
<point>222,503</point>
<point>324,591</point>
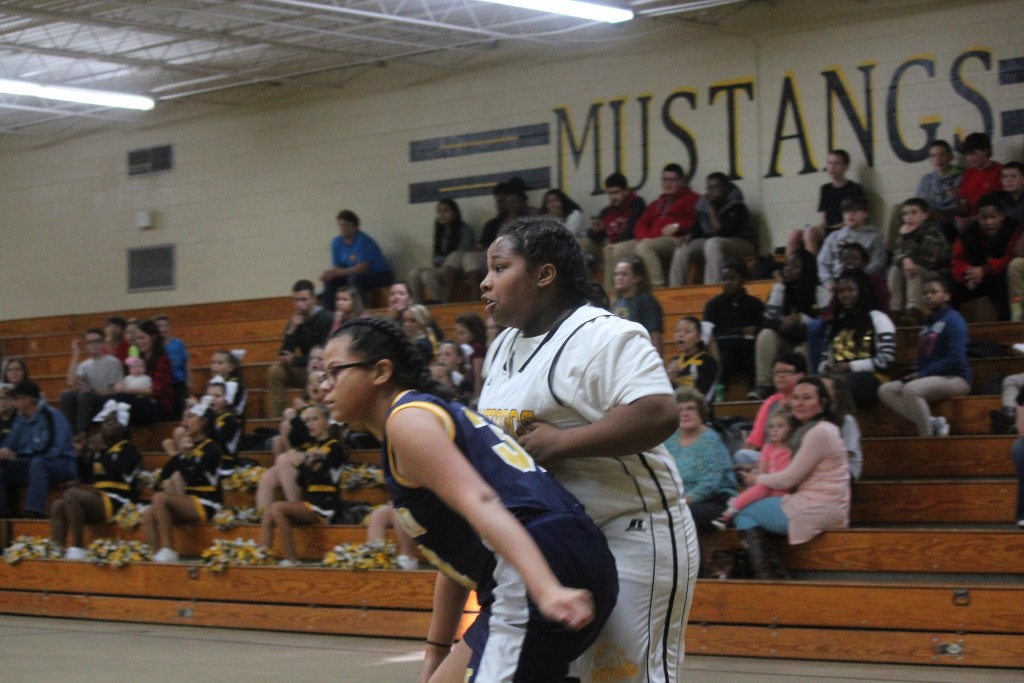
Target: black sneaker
<point>759,393</point>
<point>1002,423</point>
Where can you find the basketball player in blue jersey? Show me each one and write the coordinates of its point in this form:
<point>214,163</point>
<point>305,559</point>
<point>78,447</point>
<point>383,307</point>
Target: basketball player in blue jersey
<point>483,513</point>
<point>586,395</point>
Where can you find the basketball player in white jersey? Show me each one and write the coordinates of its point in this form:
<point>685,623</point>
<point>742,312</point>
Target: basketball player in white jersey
<point>588,397</point>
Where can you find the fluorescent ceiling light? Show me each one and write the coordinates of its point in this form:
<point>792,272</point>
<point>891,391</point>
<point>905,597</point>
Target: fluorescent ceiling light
<point>573,8</point>
<point>59,92</point>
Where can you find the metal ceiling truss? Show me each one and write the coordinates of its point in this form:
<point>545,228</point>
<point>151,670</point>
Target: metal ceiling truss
<point>172,49</point>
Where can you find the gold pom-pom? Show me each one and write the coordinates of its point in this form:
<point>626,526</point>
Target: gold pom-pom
<point>235,553</point>
<point>129,516</point>
<point>361,476</point>
<point>31,548</point>
<point>243,478</point>
<point>361,557</point>
<point>228,518</point>
<point>117,553</point>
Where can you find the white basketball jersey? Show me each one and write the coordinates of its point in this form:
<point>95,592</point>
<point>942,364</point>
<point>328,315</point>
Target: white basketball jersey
<point>592,362</point>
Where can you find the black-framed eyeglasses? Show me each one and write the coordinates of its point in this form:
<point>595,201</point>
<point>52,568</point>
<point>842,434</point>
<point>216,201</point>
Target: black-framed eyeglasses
<point>330,375</point>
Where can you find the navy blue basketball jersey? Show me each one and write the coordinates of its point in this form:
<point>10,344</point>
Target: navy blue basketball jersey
<point>447,540</point>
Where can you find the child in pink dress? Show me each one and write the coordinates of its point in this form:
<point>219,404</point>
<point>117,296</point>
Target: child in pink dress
<point>775,457</point>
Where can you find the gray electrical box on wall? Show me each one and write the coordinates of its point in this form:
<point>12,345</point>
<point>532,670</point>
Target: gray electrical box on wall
<point>151,268</point>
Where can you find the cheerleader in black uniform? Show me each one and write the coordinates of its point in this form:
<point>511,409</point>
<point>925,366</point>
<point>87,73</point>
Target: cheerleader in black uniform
<point>317,477</point>
<point>222,424</point>
<point>482,512</point>
<point>191,487</point>
<point>112,469</point>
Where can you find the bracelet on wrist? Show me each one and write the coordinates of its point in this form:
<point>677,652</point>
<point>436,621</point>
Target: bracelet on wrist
<point>428,641</point>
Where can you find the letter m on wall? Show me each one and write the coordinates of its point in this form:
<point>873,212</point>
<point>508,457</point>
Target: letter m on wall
<point>571,143</point>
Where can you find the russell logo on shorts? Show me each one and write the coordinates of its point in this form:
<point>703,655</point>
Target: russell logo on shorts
<point>636,525</point>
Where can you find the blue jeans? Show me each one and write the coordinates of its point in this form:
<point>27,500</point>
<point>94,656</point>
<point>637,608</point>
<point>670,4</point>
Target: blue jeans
<point>1017,453</point>
<point>38,474</point>
<point>766,513</point>
<point>815,345</point>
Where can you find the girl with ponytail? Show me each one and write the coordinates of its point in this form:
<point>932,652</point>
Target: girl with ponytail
<point>482,512</point>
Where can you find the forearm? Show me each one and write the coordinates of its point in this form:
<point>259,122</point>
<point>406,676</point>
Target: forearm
<point>449,605</point>
<point>626,429</point>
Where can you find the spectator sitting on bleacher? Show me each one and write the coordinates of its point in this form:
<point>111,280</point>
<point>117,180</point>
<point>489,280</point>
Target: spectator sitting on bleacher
<point>854,229</point>
<point>348,305</point>
<point>845,409</point>
<point>191,486</point>
<point>131,328</point>
<point>1004,419</point>
<point>419,326</point>
<point>737,317</point>
<point>223,425</point>
<point>155,403</point>
<point>14,371</point>
<point>115,343</point>
<point>310,486</point>
<point>830,201</point>
<point>696,366</point>
<point>942,369</point>
<point>1013,186</point>
<point>38,452</point>
<point>723,230</point>
<point>787,370</point>
<point>980,258</point>
<point>558,204</point>
<point>1017,454</point>
<point>854,257</point>
<point>793,303</point>
<point>613,224</point>
<point>453,239</point>
<point>308,327</point>
<point>633,299</point>
<point>292,442</point>
<point>136,379</point>
<point>377,524</point>
<point>356,260</point>
<point>775,457</point>
<point>512,204</point>
<point>861,340</point>
<point>92,380</point>
<point>471,332</point>
<point>921,251</point>
<point>8,413</point>
<point>702,459</point>
<point>451,357</point>
<point>818,475</point>
<point>941,187</point>
<point>181,370</point>
<point>981,177</point>
<point>228,367</point>
<point>112,463</point>
<point>667,220</point>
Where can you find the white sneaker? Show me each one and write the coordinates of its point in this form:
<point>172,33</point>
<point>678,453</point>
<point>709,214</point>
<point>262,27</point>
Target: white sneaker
<point>406,563</point>
<point>288,563</point>
<point>77,554</point>
<point>166,555</point>
<point>940,427</point>
<point>1020,523</point>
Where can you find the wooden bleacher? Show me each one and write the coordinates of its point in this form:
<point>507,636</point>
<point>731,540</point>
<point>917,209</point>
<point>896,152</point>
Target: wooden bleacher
<point>932,570</point>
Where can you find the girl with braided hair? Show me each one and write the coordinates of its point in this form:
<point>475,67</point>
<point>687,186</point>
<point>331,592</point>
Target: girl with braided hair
<point>586,395</point>
<point>482,512</point>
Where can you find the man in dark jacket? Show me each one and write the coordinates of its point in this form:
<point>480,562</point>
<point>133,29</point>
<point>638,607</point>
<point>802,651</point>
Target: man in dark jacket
<point>724,230</point>
<point>309,326</point>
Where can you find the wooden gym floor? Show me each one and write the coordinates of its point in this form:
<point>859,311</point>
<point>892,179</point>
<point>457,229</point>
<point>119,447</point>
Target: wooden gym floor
<point>35,649</point>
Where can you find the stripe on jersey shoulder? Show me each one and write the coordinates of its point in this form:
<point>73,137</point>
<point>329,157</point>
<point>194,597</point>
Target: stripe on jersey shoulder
<point>443,417</point>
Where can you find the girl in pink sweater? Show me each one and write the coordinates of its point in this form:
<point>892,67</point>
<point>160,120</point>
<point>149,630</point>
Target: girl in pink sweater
<point>775,457</point>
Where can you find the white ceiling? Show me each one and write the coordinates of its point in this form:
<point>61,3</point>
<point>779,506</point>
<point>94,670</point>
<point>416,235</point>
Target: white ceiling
<point>181,49</point>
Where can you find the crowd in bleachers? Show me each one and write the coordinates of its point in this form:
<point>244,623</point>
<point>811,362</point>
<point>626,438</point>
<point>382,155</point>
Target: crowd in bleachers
<point>955,255</point>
